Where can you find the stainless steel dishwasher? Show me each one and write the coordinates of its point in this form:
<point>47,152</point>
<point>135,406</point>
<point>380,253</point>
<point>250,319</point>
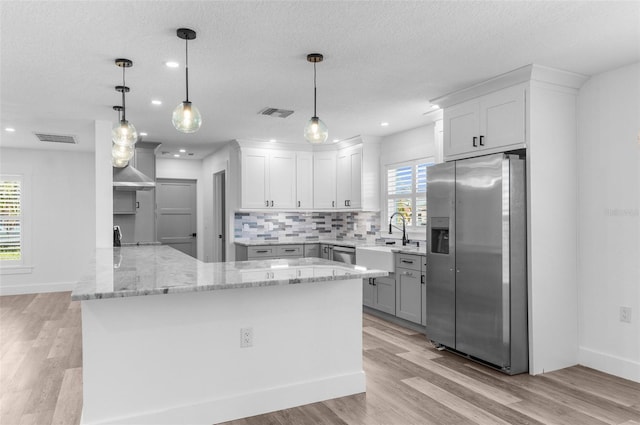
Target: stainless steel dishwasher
<point>343,254</point>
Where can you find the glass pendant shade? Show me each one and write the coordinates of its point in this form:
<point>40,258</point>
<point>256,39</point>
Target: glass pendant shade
<point>316,131</point>
<point>124,134</point>
<point>186,118</point>
<point>119,163</point>
<point>121,152</point>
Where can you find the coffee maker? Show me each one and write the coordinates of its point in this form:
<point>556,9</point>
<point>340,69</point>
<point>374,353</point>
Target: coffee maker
<point>117,236</point>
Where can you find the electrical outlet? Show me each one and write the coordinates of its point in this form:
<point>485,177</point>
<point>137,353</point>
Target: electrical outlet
<point>625,314</point>
<point>246,337</point>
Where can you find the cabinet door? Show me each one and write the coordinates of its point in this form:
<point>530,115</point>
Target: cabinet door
<point>124,202</point>
<point>281,191</point>
<point>254,178</point>
<point>367,292</point>
<point>349,177</point>
<point>304,179</point>
<point>343,178</point>
<point>385,294</point>
<point>409,295</point>
<point>423,281</point>
<point>502,118</point>
<point>461,124</point>
<point>324,180</point>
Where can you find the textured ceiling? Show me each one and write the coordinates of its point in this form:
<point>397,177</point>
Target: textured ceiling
<point>384,60</point>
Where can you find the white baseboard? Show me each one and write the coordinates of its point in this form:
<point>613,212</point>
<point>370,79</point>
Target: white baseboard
<point>36,288</point>
<point>249,404</point>
<point>607,363</point>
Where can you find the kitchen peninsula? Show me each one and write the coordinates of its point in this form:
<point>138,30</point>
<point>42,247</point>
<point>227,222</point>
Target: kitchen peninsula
<point>170,339</point>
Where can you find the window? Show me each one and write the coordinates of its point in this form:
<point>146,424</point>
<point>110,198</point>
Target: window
<point>407,193</point>
<point>11,220</point>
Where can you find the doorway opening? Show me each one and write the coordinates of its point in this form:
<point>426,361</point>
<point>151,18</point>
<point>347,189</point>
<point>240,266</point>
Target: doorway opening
<point>176,214</point>
<point>219,220</point>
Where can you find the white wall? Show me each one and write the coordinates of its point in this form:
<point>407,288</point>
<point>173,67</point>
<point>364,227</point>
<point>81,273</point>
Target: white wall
<point>190,169</point>
<point>404,146</point>
<point>62,210</point>
<point>223,160</point>
<point>608,227</point>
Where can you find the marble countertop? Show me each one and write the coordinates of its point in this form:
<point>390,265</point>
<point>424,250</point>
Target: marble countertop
<point>408,249</point>
<point>160,269</point>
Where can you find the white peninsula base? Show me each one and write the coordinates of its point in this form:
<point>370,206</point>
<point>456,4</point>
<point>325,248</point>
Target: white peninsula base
<point>176,358</point>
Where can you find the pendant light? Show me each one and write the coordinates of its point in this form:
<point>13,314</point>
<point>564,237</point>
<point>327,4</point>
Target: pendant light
<point>124,133</point>
<point>186,117</point>
<point>120,154</point>
<point>316,131</point>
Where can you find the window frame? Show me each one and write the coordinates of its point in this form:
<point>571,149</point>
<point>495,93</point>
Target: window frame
<point>24,264</point>
<point>414,196</point>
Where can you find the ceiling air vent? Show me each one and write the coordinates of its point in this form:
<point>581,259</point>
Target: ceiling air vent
<point>56,138</point>
<point>275,112</point>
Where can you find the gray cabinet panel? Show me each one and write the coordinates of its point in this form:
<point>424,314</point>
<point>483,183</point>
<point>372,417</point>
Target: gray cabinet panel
<point>408,295</point>
<point>385,294</point>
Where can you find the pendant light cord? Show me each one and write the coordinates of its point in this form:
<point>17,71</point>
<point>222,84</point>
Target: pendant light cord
<point>314,90</point>
<point>124,109</point>
<point>186,64</point>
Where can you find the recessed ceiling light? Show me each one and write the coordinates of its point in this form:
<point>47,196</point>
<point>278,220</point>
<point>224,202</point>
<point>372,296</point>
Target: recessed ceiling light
<point>172,64</point>
<point>142,133</point>
<point>176,155</point>
<point>336,140</point>
<point>384,124</point>
<point>10,129</point>
<point>156,102</point>
<point>272,140</point>
<point>183,150</point>
<point>435,106</point>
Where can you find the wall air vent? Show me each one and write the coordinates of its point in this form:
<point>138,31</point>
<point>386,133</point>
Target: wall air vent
<point>56,138</point>
<point>275,112</point>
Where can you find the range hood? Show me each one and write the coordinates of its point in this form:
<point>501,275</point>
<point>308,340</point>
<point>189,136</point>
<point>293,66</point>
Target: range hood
<point>131,179</point>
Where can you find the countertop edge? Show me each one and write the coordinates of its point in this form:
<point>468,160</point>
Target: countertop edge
<point>215,287</point>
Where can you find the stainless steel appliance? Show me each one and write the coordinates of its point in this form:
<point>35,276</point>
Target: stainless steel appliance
<point>339,253</point>
<point>476,260</point>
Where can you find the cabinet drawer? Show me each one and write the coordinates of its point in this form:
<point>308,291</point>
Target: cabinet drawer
<point>260,252</point>
<point>312,250</point>
<point>289,251</point>
<point>408,261</point>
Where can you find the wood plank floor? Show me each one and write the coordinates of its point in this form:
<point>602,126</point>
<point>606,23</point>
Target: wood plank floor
<point>408,381</point>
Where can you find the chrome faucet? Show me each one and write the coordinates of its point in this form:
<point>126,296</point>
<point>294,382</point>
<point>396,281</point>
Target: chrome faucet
<point>405,241</point>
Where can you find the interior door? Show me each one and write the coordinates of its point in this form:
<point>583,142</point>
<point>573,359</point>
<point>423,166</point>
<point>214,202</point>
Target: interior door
<point>176,214</point>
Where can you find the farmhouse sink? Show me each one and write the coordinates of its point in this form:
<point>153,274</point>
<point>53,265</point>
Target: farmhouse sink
<point>376,257</point>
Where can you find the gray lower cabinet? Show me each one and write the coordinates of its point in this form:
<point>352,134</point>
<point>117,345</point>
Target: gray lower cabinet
<point>268,252</point>
<point>380,293</point>
<point>409,287</point>
<point>312,250</point>
<point>124,202</point>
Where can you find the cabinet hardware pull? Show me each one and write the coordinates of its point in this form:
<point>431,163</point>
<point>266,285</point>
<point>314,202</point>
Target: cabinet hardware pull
<point>373,281</point>
<point>266,203</point>
<point>271,203</point>
<point>345,203</point>
<point>422,279</point>
<point>289,250</point>
<point>137,204</point>
<point>475,142</point>
<point>298,204</point>
<point>333,203</point>
<point>481,140</point>
<point>407,261</point>
<point>262,251</point>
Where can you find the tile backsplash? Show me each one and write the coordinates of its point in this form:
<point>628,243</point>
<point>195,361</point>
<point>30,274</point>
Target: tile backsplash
<point>306,225</point>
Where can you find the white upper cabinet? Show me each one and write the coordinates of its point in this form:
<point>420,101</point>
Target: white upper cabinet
<point>304,179</point>
<point>491,123</point>
<point>349,175</point>
<point>268,178</point>
<point>324,179</point>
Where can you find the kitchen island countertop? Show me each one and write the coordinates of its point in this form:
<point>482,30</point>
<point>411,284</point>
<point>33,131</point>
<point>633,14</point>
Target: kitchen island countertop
<point>157,269</point>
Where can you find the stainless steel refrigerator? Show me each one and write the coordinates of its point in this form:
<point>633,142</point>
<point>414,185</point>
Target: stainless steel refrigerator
<point>476,260</point>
